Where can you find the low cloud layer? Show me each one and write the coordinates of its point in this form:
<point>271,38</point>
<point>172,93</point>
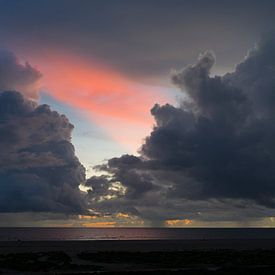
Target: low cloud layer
<point>213,157</point>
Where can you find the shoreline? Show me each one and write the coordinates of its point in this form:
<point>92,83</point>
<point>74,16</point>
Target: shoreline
<point>136,245</point>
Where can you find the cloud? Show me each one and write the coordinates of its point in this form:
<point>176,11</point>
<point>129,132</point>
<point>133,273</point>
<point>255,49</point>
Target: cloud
<point>140,48</point>
<point>213,157</point>
<point>18,76</point>
<point>39,171</point>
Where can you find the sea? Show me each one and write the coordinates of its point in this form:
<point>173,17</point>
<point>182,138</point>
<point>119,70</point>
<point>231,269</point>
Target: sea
<point>85,234</point>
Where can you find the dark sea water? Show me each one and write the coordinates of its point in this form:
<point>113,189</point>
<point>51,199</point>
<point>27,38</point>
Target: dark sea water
<point>35,234</point>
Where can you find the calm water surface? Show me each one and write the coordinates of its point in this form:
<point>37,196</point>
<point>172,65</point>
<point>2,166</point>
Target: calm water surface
<point>27,234</point>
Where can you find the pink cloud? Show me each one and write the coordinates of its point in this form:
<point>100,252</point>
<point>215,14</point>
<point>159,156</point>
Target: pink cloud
<point>117,104</point>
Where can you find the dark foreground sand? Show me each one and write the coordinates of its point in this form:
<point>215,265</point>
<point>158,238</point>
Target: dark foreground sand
<point>138,257</point>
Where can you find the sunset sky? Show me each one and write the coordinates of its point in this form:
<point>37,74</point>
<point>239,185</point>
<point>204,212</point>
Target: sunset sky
<point>158,113</point>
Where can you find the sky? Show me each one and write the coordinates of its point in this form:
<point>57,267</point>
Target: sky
<point>137,113</point>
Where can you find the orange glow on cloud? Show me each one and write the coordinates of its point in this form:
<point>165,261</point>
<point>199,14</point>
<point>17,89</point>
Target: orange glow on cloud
<point>118,105</point>
<point>178,222</point>
<point>122,215</point>
<point>120,219</point>
<point>85,217</point>
<point>99,224</point>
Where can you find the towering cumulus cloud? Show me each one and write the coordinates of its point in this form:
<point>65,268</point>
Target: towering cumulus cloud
<point>212,158</point>
<point>17,76</point>
<point>39,171</point>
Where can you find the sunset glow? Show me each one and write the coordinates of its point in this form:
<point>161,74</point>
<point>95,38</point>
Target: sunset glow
<point>178,222</point>
<point>137,113</point>
<point>118,105</point>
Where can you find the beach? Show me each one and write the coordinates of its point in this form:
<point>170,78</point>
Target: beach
<point>133,257</point>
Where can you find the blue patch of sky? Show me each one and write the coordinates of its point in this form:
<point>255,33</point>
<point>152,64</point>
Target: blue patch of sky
<point>91,144</point>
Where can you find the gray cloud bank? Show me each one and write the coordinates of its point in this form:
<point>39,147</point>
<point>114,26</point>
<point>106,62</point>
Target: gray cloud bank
<point>140,38</point>
<point>211,158</point>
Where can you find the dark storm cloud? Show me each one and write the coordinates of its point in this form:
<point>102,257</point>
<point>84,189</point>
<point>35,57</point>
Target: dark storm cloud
<point>124,169</point>
<point>139,37</point>
<point>39,171</point>
<point>17,76</point>
<point>227,146</point>
<point>215,154</point>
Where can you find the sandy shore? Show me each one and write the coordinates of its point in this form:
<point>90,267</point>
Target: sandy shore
<point>135,257</point>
